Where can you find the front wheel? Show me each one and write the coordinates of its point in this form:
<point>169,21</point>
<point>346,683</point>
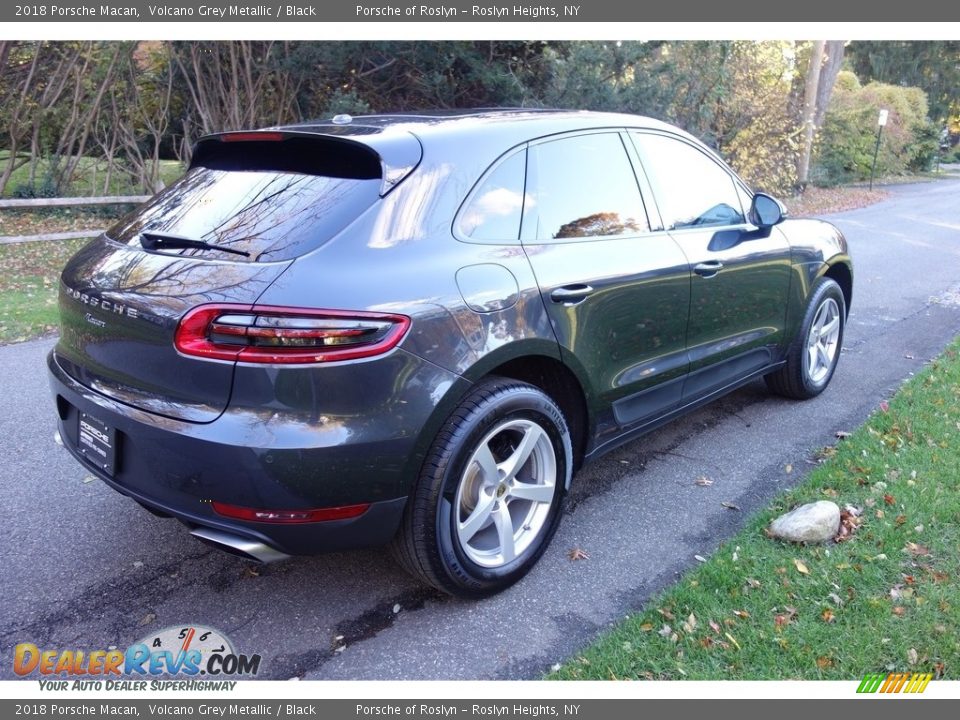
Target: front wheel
<point>813,355</point>
<point>489,497</point>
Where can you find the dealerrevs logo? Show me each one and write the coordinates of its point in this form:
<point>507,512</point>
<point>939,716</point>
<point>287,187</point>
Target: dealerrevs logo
<point>177,651</point>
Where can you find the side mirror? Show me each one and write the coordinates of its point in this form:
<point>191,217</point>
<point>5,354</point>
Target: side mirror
<point>766,211</point>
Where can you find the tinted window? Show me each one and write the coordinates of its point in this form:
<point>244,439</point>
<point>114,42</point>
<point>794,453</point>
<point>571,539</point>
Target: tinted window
<point>581,187</point>
<point>691,189</point>
<point>493,212</point>
<point>270,215</point>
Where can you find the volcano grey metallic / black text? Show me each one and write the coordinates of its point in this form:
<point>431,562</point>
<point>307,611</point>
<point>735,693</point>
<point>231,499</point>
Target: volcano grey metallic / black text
<point>413,329</point>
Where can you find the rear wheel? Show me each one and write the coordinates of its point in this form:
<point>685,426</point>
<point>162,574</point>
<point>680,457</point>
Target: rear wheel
<point>813,355</point>
<point>489,497</point>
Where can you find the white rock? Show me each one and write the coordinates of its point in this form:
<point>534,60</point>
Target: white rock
<point>813,522</point>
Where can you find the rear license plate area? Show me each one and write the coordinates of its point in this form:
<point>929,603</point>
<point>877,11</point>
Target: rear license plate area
<point>97,442</point>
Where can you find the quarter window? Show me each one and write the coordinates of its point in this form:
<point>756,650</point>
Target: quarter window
<point>691,188</point>
<point>581,187</point>
<point>494,211</point>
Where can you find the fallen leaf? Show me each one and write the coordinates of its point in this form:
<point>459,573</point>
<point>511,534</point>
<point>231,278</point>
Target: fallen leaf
<point>884,405</point>
<point>741,613</point>
<point>715,627</point>
<point>800,566</point>
<point>753,583</point>
<point>781,620</point>
<point>703,481</point>
<point>842,434</point>
<point>824,662</point>
<point>250,571</point>
<point>665,631</point>
<point>578,554</point>
<point>706,641</point>
<point>836,599</point>
<point>691,624</point>
<point>912,656</point>
<point>147,619</point>
<point>730,505</point>
<point>899,611</point>
<point>900,520</point>
<point>666,613</point>
<point>915,549</point>
<point>889,499</point>
<point>646,627</point>
<point>827,615</point>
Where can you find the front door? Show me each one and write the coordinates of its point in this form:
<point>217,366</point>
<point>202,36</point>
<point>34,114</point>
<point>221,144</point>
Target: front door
<point>740,275</point>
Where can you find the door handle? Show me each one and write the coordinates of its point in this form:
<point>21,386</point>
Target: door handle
<point>571,294</point>
<point>708,269</point>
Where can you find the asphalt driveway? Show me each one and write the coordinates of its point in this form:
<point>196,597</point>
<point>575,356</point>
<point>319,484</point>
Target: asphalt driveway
<point>86,568</point>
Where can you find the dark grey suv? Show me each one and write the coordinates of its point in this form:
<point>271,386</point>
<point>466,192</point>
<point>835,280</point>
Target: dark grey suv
<point>413,329</point>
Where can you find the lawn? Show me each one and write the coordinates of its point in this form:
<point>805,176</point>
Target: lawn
<point>885,599</point>
<point>28,297</point>
<point>88,179</point>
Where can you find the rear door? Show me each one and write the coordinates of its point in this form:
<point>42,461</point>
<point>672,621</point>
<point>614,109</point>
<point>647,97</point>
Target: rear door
<point>221,234</point>
<point>740,275</point>
<point>616,292</point>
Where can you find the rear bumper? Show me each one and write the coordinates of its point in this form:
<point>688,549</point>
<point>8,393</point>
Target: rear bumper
<point>178,468</point>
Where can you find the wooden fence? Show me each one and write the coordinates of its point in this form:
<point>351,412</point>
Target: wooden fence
<point>10,203</point>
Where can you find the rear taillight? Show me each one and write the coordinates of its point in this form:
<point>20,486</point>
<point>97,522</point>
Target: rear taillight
<point>268,334</point>
<point>343,512</point>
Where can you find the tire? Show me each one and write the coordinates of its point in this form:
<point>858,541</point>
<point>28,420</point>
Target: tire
<point>490,494</point>
<point>812,356</point>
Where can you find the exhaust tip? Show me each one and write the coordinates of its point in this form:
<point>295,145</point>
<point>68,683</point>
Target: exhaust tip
<point>240,546</point>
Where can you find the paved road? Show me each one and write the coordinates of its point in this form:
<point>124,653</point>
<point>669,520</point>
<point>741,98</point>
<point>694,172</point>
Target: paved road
<point>83,567</point>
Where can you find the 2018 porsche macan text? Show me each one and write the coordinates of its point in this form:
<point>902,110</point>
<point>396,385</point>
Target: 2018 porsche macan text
<point>411,330</point>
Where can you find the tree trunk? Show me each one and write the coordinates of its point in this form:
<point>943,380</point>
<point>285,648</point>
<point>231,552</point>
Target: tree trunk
<point>810,110</point>
<point>833,59</point>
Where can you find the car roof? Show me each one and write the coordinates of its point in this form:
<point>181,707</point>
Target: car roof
<point>516,124</point>
<point>401,138</point>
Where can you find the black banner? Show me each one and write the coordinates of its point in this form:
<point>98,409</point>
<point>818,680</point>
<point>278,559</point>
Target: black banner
<point>152,11</point>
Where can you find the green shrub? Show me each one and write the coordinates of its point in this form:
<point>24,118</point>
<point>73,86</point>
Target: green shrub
<point>846,142</point>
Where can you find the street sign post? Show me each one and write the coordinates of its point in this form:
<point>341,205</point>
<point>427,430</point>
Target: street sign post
<point>881,121</point>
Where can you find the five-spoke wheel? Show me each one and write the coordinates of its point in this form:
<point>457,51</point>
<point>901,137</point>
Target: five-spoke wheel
<point>489,498</point>
<point>812,356</point>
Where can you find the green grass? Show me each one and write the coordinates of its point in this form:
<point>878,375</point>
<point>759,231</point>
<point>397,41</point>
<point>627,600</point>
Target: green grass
<point>88,178</point>
<point>886,599</point>
<point>28,287</point>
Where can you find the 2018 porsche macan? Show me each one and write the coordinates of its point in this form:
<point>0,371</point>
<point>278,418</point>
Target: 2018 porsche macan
<point>412,330</point>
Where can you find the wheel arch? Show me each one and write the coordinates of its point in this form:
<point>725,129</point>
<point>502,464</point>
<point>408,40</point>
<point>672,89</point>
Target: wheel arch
<point>841,272</point>
<point>534,361</point>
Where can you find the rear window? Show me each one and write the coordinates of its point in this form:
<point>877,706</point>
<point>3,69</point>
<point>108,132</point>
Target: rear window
<point>273,201</point>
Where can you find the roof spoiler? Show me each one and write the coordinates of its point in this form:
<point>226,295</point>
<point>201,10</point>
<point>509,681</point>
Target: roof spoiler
<point>365,157</point>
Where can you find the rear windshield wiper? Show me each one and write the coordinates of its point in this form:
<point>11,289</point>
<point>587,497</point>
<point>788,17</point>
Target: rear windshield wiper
<point>166,241</point>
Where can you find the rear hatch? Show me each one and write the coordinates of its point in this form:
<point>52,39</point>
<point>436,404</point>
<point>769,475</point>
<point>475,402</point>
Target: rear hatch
<point>249,205</point>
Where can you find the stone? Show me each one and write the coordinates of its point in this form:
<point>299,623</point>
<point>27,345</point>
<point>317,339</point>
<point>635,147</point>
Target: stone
<point>810,523</point>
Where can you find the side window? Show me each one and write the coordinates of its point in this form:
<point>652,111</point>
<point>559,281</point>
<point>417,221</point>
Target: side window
<point>691,189</point>
<point>494,211</point>
<point>581,187</point>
